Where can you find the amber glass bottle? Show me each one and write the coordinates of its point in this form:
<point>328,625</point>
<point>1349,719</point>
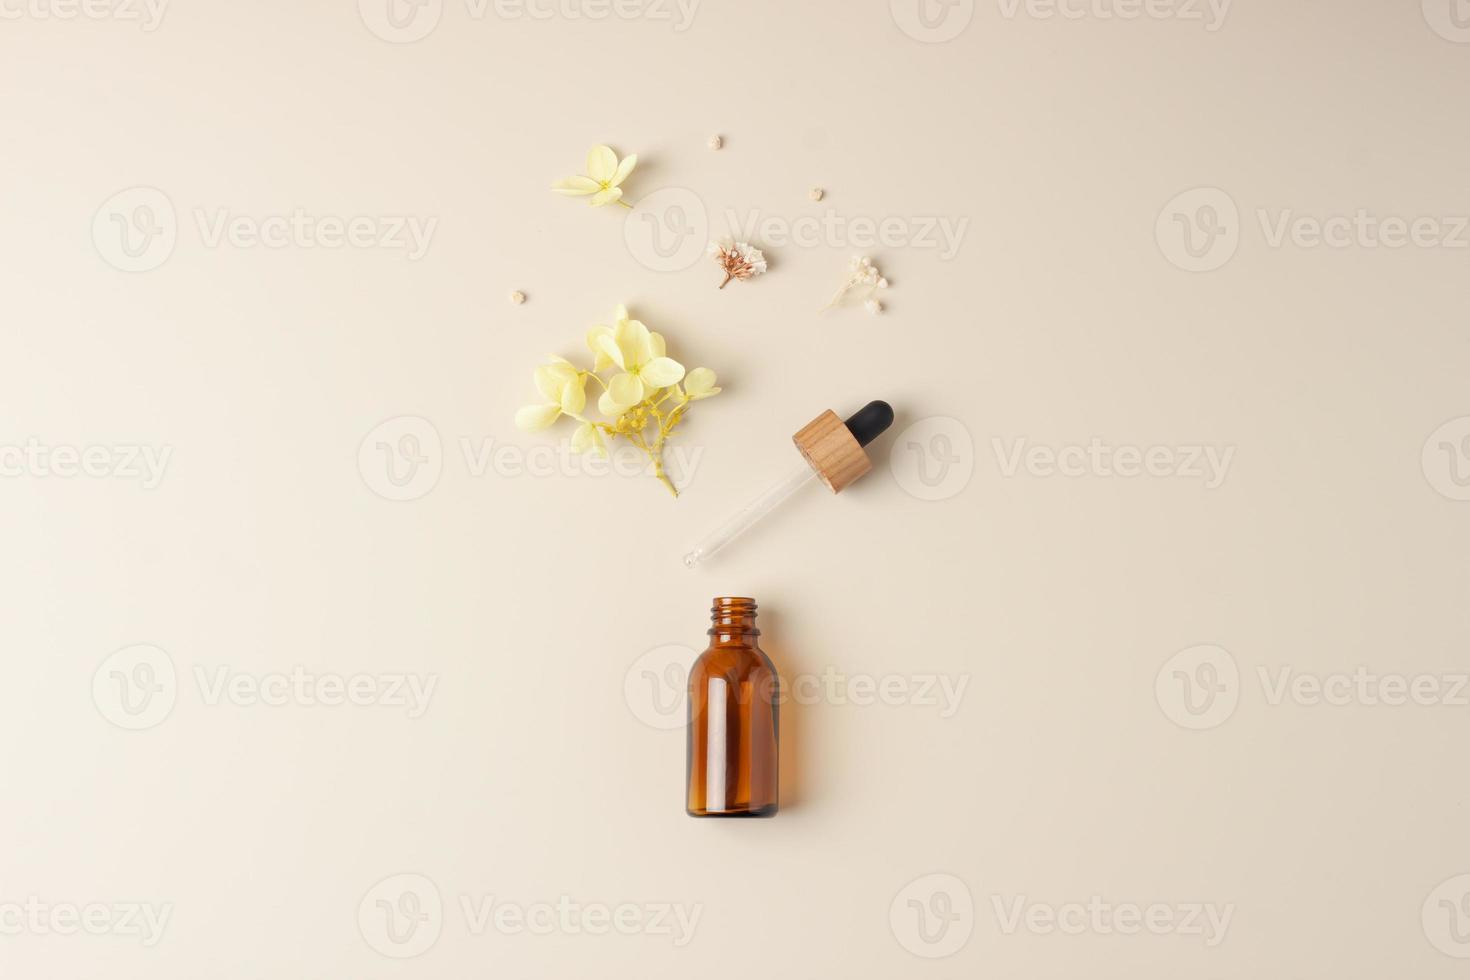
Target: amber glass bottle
<point>733,692</point>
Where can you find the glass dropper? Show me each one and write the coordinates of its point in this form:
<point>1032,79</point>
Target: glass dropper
<point>832,451</point>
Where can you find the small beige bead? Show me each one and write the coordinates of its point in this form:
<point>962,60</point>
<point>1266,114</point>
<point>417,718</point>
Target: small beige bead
<point>715,142</point>
<point>817,194</point>
<point>517,297</point>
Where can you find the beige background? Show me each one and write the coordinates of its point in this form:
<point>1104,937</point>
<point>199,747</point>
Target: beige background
<point>1077,762</point>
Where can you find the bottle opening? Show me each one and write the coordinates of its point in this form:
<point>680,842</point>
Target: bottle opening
<point>733,614</point>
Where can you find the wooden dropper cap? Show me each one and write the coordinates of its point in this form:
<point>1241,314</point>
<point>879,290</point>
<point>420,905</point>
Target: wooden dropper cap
<point>834,448</point>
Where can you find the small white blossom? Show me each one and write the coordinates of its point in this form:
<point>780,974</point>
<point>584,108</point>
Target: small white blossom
<point>739,260</point>
<point>861,274</point>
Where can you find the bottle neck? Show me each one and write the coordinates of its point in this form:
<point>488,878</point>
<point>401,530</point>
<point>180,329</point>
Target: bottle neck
<point>732,620</point>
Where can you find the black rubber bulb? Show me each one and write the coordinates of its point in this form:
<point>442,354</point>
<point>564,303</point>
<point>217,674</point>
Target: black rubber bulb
<point>870,422</point>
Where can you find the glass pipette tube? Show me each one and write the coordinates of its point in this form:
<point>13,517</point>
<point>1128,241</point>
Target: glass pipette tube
<point>831,450</point>
<point>750,515</point>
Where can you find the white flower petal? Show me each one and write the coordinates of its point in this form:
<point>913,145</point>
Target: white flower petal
<point>549,382</point>
<point>624,169</point>
<point>656,346</point>
<point>582,438</point>
<point>613,350</point>
<point>608,407</point>
<point>700,383</point>
<point>626,390</point>
<point>606,197</point>
<point>602,163</point>
<point>534,418</point>
<point>577,186</point>
<point>594,344</point>
<point>662,372</point>
<point>573,398</point>
<point>563,370</point>
<point>637,343</point>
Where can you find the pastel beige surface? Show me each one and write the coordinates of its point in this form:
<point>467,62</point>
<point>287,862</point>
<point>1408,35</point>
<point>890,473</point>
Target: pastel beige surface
<point>1138,655</point>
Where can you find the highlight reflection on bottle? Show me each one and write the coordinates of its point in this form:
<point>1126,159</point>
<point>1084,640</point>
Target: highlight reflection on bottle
<point>733,719</point>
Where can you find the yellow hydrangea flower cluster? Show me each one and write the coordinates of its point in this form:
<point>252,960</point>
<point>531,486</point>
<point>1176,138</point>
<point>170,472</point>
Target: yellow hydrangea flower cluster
<point>644,400</point>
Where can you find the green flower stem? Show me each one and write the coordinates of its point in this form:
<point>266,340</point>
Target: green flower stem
<point>666,423</point>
